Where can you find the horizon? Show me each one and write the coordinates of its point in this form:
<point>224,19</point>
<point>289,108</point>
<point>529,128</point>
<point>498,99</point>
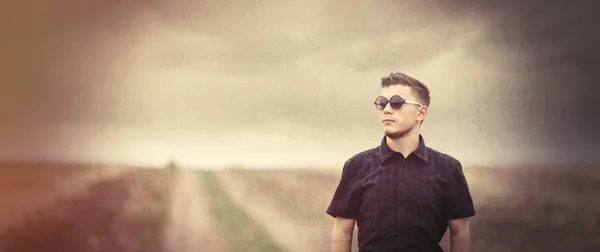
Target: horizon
<point>239,167</point>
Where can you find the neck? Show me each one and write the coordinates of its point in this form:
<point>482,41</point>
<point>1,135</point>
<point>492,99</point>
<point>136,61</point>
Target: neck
<point>405,144</point>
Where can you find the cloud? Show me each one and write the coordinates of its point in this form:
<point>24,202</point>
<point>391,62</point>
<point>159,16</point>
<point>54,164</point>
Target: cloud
<point>501,74</point>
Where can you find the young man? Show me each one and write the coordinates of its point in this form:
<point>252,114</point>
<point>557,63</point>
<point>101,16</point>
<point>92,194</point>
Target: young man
<point>402,194</point>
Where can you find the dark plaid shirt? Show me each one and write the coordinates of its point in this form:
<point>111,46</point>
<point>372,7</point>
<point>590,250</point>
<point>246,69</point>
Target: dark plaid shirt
<point>401,204</point>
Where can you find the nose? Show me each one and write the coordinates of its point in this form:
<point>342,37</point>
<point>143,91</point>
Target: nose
<point>388,108</point>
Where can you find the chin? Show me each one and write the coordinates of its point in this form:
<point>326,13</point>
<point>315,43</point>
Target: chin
<point>394,133</point>
<point>391,128</point>
<point>390,132</point>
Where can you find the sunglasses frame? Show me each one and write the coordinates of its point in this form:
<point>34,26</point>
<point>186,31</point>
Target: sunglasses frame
<point>393,107</point>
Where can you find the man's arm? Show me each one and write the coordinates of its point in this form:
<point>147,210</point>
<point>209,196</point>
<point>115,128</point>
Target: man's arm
<point>458,208</point>
<point>344,207</point>
<point>460,235</point>
<point>343,230</point>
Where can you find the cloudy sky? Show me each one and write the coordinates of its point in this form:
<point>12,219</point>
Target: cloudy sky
<point>212,83</point>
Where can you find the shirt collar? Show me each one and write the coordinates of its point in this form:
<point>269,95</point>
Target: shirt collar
<point>385,152</point>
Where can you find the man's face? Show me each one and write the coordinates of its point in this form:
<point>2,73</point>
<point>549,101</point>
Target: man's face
<point>397,122</point>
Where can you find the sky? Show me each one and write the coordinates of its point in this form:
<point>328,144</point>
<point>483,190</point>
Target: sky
<point>291,83</point>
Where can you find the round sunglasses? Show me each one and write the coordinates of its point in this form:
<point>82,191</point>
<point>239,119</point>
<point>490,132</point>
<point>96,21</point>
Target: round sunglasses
<point>395,101</point>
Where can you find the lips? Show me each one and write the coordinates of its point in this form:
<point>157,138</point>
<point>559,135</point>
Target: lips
<point>387,120</point>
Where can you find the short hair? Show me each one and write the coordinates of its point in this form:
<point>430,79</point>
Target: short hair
<point>419,89</point>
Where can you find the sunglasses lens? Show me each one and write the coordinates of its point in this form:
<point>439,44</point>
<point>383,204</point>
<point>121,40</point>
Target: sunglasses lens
<point>396,102</point>
<point>380,102</point>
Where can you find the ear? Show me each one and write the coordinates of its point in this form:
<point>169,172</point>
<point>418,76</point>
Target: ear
<point>422,113</point>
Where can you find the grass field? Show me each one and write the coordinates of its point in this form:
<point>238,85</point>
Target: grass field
<point>242,232</point>
<point>289,204</point>
<point>519,209</point>
<point>86,208</point>
<point>28,186</point>
<point>81,208</point>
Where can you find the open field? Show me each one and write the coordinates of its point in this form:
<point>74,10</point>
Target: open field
<point>28,186</point>
<point>519,209</point>
<point>191,225</point>
<point>84,208</point>
<point>251,236</point>
<point>80,208</point>
<point>287,203</point>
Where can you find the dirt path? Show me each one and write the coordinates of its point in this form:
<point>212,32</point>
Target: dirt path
<point>191,227</point>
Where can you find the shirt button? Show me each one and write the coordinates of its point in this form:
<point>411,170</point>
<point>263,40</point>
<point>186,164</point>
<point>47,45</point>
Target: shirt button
<point>401,183</point>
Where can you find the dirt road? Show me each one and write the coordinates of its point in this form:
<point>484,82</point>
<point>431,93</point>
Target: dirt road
<point>191,227</point>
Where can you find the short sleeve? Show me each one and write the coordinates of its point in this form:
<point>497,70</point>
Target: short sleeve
<point>345,202</point>
<point>457,197</point>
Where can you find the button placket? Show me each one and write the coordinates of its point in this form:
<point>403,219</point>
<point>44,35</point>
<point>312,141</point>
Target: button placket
<point>402,196</point>
<point>405,190</point>
<point>399,209</point>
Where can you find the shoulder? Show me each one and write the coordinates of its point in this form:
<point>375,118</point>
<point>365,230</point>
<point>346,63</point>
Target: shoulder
<point>444,161</point>
<point>361,160</point>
